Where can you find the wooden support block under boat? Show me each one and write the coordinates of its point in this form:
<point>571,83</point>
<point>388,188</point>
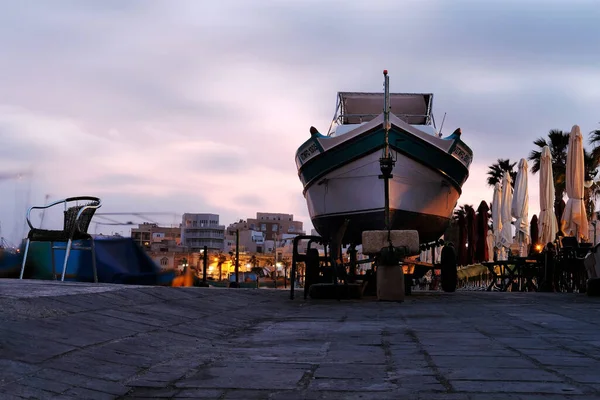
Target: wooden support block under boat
<point>374,241</point>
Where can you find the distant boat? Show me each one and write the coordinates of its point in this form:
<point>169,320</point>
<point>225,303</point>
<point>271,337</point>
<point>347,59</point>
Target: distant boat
<point>341,171</point>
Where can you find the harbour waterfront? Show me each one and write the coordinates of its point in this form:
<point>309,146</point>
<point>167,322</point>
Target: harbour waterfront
<point>78,340</point>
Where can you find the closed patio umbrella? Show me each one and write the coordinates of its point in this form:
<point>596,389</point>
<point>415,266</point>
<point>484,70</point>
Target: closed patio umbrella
<point>574,219</point>
<point>520,208</point>
<point>547,225</point>
<point>462,239</point>
<point>490,246</point>
<point>471,234</point>
<point>497,215</point>
<point>506,237</point>
<point>481,253</point>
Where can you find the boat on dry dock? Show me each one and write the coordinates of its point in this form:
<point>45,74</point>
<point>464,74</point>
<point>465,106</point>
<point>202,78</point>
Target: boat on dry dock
<point>341,172</point>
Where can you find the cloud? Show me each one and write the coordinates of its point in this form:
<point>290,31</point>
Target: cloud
<point>201,107</point>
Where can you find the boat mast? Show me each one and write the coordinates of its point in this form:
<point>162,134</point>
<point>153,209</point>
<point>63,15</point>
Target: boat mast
<point>386,112</point>
<point>386,163</point>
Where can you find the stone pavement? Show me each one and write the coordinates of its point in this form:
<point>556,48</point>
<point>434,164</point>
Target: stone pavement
<point>84,341</point>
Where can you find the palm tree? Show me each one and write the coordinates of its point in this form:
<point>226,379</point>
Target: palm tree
<point>558,142</point>
<point>591,170</point>
<point>459,212</point>
<point>221,259</point>
<point>496,172</point>
<point>253,261</point>
<point>255,269</point>
<point>285,263</point>
<point>594,162</point>
<point>595,142</point>
<point>273,265</point>
<point>460,216</point>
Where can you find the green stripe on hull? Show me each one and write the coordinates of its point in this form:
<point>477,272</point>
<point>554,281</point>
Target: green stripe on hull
<point>400,141</point>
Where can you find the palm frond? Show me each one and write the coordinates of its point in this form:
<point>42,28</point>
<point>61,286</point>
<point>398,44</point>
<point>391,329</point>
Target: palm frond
<point>595,137</point>
<point>496,171</point>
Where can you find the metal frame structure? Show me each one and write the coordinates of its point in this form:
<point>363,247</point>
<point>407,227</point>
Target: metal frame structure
<point>317,267</point>
<point>341,114</point>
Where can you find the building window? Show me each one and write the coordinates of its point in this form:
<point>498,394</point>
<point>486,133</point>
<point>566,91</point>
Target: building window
<point>164,261</point>
<point>263,227</point>
<point>274,227</point>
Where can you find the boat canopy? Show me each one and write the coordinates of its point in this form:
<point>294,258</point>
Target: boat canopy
<point>359,107</point>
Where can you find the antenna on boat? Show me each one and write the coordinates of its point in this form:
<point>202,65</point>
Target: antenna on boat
<point>386,163</point>
<point>386,111</point>
<point>442,125</point>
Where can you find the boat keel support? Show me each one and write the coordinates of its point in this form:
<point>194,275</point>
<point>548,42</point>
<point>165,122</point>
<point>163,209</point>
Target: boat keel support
<point>390,248</point>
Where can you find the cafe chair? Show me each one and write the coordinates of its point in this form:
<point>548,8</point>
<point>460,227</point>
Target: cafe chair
<point>77,219</point>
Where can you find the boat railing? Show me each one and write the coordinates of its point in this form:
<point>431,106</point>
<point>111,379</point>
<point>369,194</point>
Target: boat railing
<point>357,108</point>
<point>346,119</point>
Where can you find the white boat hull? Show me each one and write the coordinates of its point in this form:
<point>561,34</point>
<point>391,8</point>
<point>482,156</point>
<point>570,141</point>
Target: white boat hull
<point>420,198</point>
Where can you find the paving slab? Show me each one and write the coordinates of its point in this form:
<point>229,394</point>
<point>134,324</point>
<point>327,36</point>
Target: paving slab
<point>100,341</point>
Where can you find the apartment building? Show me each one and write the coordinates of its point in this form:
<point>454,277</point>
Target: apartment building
<point>152,237</point>
<point>199,230</point>
<point>250,241</point>
<point>274,225</point>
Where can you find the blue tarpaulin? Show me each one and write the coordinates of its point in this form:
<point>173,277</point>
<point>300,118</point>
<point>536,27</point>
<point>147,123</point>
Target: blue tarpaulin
<point>10,264</point>
<point>118,260</point>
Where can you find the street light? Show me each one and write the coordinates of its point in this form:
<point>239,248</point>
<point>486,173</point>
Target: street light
<point>184,264</point>
<point>236,284</point>
<point>275,259</point>
<point>204,253</point>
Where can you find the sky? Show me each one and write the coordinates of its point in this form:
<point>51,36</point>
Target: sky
<point>196,106</point>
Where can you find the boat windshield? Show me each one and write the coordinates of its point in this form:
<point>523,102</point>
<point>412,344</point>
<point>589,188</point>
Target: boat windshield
<point>357,107</point>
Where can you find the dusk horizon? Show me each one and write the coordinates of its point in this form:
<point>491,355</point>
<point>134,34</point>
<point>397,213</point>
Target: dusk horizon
<point>200,108</point>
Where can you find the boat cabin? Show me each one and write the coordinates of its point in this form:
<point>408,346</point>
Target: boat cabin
<point>356,108</point>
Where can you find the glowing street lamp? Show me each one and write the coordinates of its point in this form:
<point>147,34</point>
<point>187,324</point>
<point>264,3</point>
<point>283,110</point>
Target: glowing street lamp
<point>204,253</point>
<point>236,284</point>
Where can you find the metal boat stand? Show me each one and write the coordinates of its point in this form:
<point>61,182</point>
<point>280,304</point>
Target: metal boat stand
<point>337,280</point>
<point>447,264</point>
<point>327,276</point>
